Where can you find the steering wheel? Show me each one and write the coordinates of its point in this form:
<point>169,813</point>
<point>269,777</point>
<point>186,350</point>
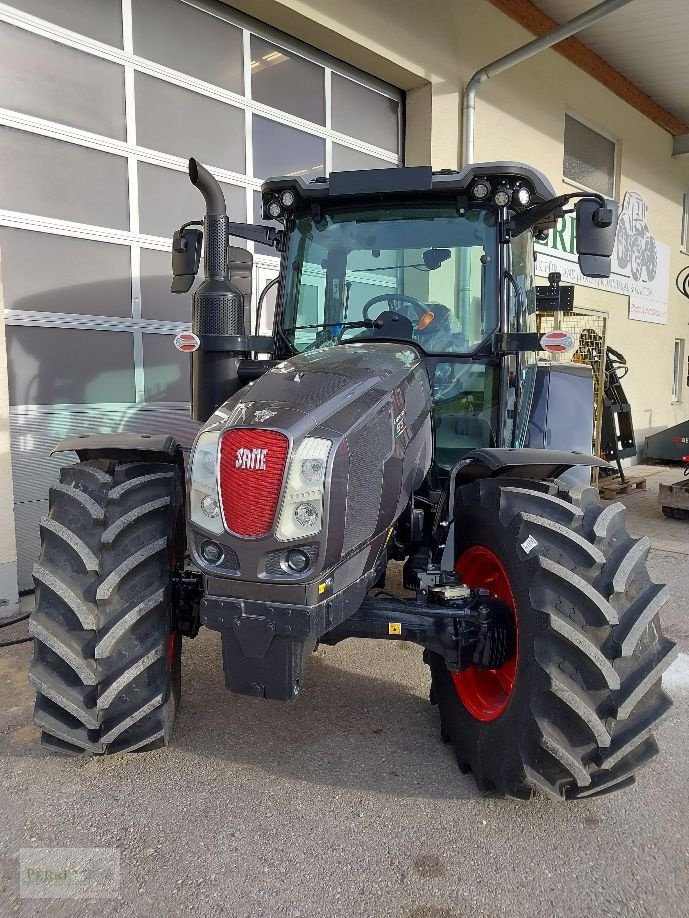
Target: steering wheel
<point>398,298</point>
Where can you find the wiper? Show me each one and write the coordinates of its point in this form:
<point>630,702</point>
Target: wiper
<point>341,326</point>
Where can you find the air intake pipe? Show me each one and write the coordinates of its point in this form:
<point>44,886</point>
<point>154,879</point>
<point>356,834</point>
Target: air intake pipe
<point>218,308</point>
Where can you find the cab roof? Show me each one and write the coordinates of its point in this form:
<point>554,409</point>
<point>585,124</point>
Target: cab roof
<point>411,181</point>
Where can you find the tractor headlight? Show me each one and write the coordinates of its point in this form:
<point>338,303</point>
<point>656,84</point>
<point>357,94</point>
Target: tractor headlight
<point>523,196</point>
<point>302,506</point>
<point>288,198</point>
<point>480,190</point>
<point>274,209</point>
<point>502,197</point>
<point>204,503</point>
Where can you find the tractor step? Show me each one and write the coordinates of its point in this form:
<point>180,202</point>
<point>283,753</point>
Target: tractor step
<point>613,487</point>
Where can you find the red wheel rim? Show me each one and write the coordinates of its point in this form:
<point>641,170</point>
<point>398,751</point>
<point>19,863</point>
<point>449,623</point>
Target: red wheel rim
<point>486,692</point>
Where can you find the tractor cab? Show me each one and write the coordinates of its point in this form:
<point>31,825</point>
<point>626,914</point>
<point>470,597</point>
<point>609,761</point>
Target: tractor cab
<point>443,261</point>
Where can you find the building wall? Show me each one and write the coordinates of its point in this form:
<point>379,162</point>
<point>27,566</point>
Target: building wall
<point>431,49</point>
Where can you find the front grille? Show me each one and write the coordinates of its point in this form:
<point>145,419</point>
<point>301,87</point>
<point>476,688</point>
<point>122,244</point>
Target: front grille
<point>252,467</point>
<point>370,448</point>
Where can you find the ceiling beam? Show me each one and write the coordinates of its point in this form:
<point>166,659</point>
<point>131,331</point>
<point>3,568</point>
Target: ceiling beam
<point>528,15</point>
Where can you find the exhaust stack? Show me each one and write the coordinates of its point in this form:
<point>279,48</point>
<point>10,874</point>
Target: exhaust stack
<point>218,308</point>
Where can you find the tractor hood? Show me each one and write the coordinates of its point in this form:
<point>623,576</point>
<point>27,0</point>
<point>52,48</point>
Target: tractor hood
<point>330,443</point>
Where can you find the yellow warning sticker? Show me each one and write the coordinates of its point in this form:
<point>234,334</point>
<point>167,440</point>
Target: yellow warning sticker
<point>394,628</point>
<point>322,587</point>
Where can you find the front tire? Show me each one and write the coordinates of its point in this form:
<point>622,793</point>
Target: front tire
<point>587,690</point>
<point>107,658</point>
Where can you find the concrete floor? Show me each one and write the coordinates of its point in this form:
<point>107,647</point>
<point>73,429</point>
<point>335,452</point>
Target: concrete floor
<point>347,803</point>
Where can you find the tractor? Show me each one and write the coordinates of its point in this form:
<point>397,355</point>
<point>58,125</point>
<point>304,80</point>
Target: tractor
<point>636,247</point>
<point>401,414</point>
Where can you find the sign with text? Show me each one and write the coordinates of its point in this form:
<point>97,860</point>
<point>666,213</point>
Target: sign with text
<point>640,264</point>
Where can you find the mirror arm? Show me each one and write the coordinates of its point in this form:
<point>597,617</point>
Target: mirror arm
<point>548,210</point>
<point>263,234</point>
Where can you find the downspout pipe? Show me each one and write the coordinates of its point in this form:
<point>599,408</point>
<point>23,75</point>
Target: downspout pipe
<point>516,57</point>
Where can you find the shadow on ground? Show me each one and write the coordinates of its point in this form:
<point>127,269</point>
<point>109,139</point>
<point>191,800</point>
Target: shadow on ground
<point>354,727</point>
<point>349,728</point>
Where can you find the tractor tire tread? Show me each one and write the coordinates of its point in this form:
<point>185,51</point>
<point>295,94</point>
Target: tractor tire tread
<point>598,654</point>
<point>101,625</point>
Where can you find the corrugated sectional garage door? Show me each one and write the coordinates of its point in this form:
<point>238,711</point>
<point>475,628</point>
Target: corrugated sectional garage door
<point>101,104</point>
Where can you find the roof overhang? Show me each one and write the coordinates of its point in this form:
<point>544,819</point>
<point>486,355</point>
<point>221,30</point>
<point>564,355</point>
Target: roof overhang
<point>637,53</point>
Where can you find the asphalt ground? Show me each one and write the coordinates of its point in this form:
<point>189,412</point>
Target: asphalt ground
<point>345,803</point>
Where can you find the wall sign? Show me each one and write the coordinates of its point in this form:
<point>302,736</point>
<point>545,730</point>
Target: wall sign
<point>640,264</point>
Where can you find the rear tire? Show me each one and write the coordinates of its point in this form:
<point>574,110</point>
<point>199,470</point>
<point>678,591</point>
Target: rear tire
<point>107,659</point>
<point>587,689</point>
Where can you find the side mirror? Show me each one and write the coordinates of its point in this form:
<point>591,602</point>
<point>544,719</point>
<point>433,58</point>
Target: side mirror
<point>596,227</point>
<point>186,257</point>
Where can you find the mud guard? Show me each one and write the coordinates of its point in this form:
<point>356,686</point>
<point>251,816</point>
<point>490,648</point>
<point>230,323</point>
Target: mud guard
<point>534,464</point>
<point>520,463</point>
<point>138,447</point>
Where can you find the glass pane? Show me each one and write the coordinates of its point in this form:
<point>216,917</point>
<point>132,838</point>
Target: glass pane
<point>167,199</point>
<point>466,409</point>
<point>183,123</point>
<point>101,20</point>
<point>46,273</point>
<point>187,39</point>
<point>39,175</point>
<point>589,157</point>
<point>676,371</point>
<point>156,300</point>
<point>365,114</point>
<point>422,263</point>
<point>345,158</point>
<point>282,150</point>
<point>42,78</point>
<point>166,370</point>
<point>56,366</point>
<point>284,80</point>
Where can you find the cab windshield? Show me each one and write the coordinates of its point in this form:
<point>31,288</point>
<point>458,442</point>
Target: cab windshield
<point>427,264</point>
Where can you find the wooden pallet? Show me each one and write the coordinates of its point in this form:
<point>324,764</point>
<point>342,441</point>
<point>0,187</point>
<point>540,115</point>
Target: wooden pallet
<point>610,488</point>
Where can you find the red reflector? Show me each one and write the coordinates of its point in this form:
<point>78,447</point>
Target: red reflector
<point>557,341</point>
<point>252,466</point>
